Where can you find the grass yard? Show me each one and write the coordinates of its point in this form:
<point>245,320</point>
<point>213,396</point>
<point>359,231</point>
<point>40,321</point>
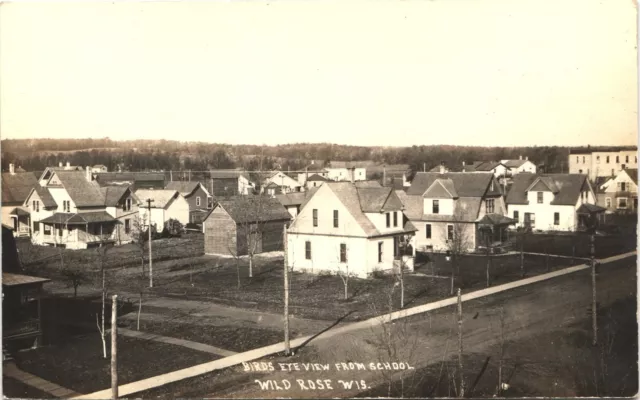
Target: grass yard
<point>322,297</point>
<point>233,338</point>
<point>578,244</point>
<point>14,389</point>
<point>79,366</point>
<point>45,260</point>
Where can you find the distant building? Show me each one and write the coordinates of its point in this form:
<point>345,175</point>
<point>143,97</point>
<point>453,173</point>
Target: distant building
<point>294,202</point>
<point>166,204</point>
<point>315,180</point>
<point>553,202</point>
<point>225,183</point>
<point>279,182</point>
<point>519,166</point>
<point>620,194</point>
<point>312,170</point>
<point>16,186</point>
<point>138,180</point>
<point>99,168</point>
<point>602,163</point>
<point>199,199</point>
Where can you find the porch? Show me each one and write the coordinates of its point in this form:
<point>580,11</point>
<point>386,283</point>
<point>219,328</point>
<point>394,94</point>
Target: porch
<point>21,317</point>
<point>589,217</point>
<point>78,231</point>
<point>20,220</point>
<point>492,233</point>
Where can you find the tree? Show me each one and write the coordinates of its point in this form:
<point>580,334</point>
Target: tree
<point>458,235</point>
<point>101,251</point>
<point>343,269</point>
<point>75,276</point>
<point>173,227</point>
<point>139,236</point>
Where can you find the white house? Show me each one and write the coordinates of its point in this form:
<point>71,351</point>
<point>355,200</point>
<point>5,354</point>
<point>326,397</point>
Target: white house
<point>344,173</point>
<point>495,167</point>
<point>166,204</point>
<point>312,170</point>
<point>294,202</point>
<point>620,194</point>
<point>16,186</point>
<point>282,181</point>
<point>456,210</point>
<point>519,166</point>
<point>553,202</point>
<point>68,208</point>
<point>350,229</point>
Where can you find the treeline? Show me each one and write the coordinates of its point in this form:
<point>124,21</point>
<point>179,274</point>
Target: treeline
<point>139,155</point>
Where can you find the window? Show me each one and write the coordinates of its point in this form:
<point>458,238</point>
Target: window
<point>583,159</point>
<point>578,160</point>
<point>197,201</point>
<point>540,197</point>
<point>580,171</point>
<point>491,187</point>
<point>127,226</point>
<point>66,206</point>
<point>396,246</point>
<point>622,186</point>
<point>622,202</point>
<point>556,218</point>
<point>36,205</point>
<point>47,229</point>
<point>335,218</point>
<point>626,159</point>
<point>428,230</point>
<point>607,159</point>
<point>449,232</point>
<point>315,217</point>
<point>607,202</point>
<point>598,159</point>
<point>617,159</point>
<point>126,206</point>
<point>436,206</point>
<point>395,218</point>
<point>380,246</point>
<point>388,220</point>
<point>60,231</point>
<point>307,250</point>
<point>36,226</point>
<point>516,216</point>
<point>343,253</point>
<point>490,206</point>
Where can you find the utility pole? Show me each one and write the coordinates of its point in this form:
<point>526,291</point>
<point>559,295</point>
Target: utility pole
<point>287,349</point>
<point>522,253</point>
<point>170,175</point>
<point>114,347</point>
<point>149,201</point>
<point>594,308</point>
<point>460,371</point>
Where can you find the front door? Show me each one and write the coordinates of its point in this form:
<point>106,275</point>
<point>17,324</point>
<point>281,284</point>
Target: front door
<point>530,220</point>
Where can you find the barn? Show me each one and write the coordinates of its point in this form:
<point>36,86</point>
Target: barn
<point>241,224</point>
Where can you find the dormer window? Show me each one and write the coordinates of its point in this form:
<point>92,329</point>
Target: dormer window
<point>436,207</point>
<point>490,206</point>
<point>540,197</point>
<point>36,206</point>
<point>491,187</point>
<point>126,206</point>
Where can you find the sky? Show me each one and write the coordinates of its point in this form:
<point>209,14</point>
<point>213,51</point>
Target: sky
<point>376,72</point>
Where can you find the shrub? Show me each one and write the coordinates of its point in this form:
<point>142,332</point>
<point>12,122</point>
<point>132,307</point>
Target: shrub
<point>378,274</point>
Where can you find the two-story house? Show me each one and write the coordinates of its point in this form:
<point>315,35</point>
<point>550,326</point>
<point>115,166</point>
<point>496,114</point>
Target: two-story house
<point>68,209</point>
<point>312,170</point>
<point>344,173</point>
<point>620,194</point>
<point>279,182</point>
<point>16,186</point>
<point>122,204</point>
<point>459,211</point>
<point>199,199</point>
<point>553,202</point>
<point>350,228</point>
<point>519,166</point>
<point>225,183</point>
<point>165,205</point>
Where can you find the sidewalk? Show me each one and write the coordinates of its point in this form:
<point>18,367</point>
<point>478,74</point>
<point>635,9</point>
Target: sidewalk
<point>150,383</point>
<point>179,342</point>
<point>11,370</point>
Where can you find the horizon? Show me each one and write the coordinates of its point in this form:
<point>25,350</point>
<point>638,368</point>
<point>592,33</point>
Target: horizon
<point>270,73</point>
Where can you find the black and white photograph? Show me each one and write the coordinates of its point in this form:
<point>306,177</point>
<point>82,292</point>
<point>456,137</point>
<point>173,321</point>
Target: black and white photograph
<point>250,199</point>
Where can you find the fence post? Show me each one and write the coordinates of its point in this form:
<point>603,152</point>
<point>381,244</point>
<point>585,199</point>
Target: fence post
<point>546,251</point>
<point>522,253</point>
<point>114,347</point>
<point>594,308</point>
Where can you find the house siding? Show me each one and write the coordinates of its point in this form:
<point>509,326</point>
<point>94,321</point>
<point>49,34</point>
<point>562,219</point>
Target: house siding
<point>325,254</point>
<point>178,209</point>
<point>220,233</point>
<point>438,240</point>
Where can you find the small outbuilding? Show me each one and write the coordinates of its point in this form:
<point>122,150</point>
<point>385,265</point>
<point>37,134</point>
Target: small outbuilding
<point>245,224</point>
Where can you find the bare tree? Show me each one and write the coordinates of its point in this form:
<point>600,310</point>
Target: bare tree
<point>502,351</point>
<point>75,275</point>
<point>343,271</point>
<point>102,261</point>
<point>139,236</point>
<point>458,242</point>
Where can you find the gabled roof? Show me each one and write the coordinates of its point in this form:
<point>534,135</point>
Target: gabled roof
<point>566,187</point>
<point>17,186</point>
<point>45,196</point>
<point>378,199</point>
<point>227,174</point>
<point>161,198</point>
<point>441,188</point>
<point>254,208</point>
<point>9,279</point>
<point>79,218</point>
<point>586,208</point>
<point>633,174</point>
<point>113,194</point>
<point>83,192</point>
<point>466,184</point>
<point>186,188</point>
<point>487,166</point>
<point>295,198</point>
<point>316,177</point>
<point>513,163</point>
<point>466,209</point>
<point>495,220</point>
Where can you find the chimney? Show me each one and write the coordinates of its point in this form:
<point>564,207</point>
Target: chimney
<point>60,164</point>
<point>88,173</point>
<point>521,157</point>
<point>527,158</point>
<point>68,164</point>
<point>12,169</point>
<point>463,163</point>
<point>442,167</point>
<point>352,173</point>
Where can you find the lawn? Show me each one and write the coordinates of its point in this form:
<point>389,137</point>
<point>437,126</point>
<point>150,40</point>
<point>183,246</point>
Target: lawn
<point>578,244</point>
<point>46,260</point>
<point>233,338</point>
<point>13,388</point>
<point>322,297</point>
<point>79,366</point>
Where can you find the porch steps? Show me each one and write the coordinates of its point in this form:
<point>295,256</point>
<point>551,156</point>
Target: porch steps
<point>6,356</point>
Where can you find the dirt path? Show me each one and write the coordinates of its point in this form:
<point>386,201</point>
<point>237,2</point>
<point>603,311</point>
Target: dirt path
<point>426,339</point>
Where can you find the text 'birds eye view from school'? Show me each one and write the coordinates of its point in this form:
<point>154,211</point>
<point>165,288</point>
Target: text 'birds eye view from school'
<point>354,199</point>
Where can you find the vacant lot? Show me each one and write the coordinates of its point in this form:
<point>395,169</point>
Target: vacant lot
<point>577,244</point>
<point>322,297</point>
<point>79,365</point>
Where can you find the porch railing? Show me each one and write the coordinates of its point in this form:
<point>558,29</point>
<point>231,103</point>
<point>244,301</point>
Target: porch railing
<point>21,328</point>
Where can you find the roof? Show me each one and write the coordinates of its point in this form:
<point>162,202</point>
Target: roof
<point>9,279</point>
<point>19,211</point>
<point>184,187</point>
<point>486,166</point>
<point>99,166</point>
<point>315,167</point>
<point>17,186</point>
<point>293,199</point>
<point>495,220</point>
<point>105,177</point>
<point>113,194</point>
<point>441,188</point>
<point>316,177</point>
<point>84,193</point>
<point>161,197</point>
<point>45,196</point>
<point>466,184</point>
<point>348,164</point>
<point>227,174</point>
<point>378,199</point>
<point>254,208</point>
<point>79,218</point>
<point>586,208</point>
<point>633,174</point>
<point>566,187</point>
<point>513,163</point>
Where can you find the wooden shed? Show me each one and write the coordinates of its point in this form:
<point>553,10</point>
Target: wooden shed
<point>243,223</point>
